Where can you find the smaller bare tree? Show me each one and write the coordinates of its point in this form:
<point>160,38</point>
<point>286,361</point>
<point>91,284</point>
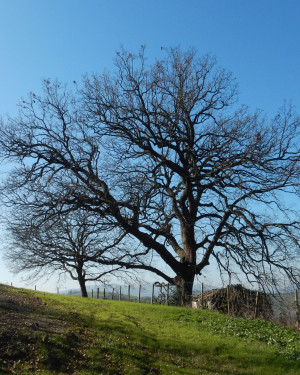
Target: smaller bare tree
<point>74,243</point>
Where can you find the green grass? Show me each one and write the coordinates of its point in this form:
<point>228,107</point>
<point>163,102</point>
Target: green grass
<point>112,337</point>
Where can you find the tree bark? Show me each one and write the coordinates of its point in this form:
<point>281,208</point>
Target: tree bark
<point>81,280</point>
<point>184,284</point>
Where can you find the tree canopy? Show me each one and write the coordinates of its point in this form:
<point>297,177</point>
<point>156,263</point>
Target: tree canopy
<point>164,152</point>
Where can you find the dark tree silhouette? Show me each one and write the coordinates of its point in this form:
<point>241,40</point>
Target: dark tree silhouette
<point>163,152</point>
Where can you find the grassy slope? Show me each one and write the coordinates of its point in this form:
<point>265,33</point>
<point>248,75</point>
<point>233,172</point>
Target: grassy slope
<point>112,337</point>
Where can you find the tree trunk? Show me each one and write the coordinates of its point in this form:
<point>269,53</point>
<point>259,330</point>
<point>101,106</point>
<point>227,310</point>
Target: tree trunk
<point>81,280</point>
<point>185,279</point>
<point>184,284</point>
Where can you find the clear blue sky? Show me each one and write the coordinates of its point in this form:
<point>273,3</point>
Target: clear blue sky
<point>258,40</point>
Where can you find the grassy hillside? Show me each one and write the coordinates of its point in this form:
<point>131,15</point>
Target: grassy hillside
<point>55,334</point>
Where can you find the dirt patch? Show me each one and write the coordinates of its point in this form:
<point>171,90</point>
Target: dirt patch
<point>18,310</point>
<point>24,327</point>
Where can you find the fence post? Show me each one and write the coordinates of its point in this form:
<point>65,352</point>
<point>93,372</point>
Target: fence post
<point>92,293</point>
<point>120,293</point>
<point>152,296</point>
<point>297,309</point>
<point>112,294</point>
<point>202,296</point>
<point>228,302</point>
<point>140,288</point>
<point>98,293</point>
<point>128,292</point>
<point>256,305</point>
<point>168,294</point>
<point>57,290</point>
<point>104,293</point>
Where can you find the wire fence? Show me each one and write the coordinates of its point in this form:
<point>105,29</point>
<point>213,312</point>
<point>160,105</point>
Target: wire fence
<point>155,293</point>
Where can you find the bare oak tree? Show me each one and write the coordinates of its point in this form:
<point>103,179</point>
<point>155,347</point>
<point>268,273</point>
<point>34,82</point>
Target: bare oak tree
<point>74,243</point>
<point>163,152</point>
